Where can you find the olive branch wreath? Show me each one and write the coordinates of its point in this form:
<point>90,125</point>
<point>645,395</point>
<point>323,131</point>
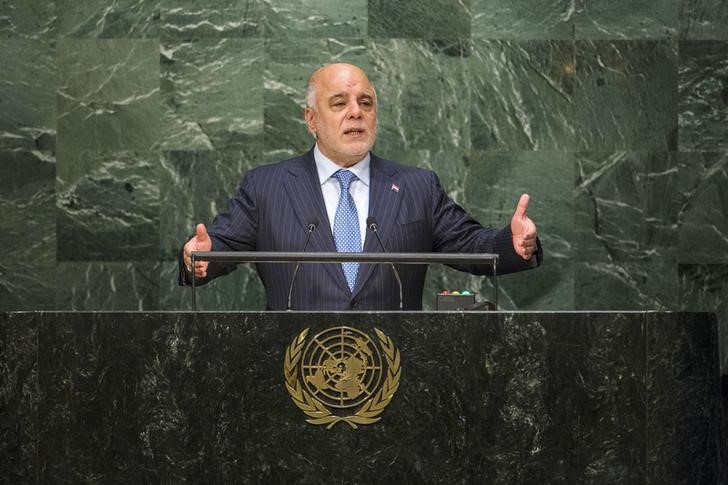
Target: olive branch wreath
<point>315,410</point>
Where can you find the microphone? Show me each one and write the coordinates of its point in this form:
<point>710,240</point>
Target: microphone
<point>374,227</point>
<point>311,228</point>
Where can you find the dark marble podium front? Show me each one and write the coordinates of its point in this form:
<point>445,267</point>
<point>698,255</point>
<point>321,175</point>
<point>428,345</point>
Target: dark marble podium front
<point>483,398</point>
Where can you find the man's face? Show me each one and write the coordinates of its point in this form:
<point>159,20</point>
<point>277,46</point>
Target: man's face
<point>344,116</point>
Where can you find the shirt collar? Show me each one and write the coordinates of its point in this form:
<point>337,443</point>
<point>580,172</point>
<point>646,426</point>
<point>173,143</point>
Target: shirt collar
<point>326,168</point>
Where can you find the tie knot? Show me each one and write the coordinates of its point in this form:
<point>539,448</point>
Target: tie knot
<point>345,178</point>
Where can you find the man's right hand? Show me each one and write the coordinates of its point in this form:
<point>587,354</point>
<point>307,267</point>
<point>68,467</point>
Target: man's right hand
<point>200,242</point>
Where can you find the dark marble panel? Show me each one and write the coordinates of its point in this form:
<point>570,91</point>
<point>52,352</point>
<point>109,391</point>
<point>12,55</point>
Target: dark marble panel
<point>626,207</point>
<point>108,286</point>
<point>29,19</point>
<point>18,398</point>
<point>703,211</point>
<point>626,286</point>
<point>703,19</point>
<point>703,90</point>
<point>212,91</point>
<point>288,66</point>
<point>108,96</point>
<point>108,206</point>
<point>683,428</point>
<point>92,375</point>
<point>194,187</point>
<point>590,376</point>
<point>522,95</point>
<point>211,18</point>
<point>626,95</point>
<point>27,95</point>
<point>435,19</point>
<point>121,19</point>
<point>535,19</point>
<point>423,104</point>
<point>315,18</point>
<point>494,183</point>
<point>483,398</point>
<point>27,230</point>
<point>705,288</point>
<point>626,19</point>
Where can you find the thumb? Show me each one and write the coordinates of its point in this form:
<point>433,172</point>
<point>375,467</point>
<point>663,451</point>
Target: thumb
<point>521,207</point>
<point>202,239</point>
<point>201,233</point>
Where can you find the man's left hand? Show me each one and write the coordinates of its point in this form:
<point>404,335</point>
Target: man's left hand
<point>523,230</point>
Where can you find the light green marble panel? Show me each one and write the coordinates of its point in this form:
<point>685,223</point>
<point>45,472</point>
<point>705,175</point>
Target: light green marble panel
<point>27,19</point>
<point>626,207</point>
<point>704,19</point>
<point>27,95</point>
<point>434,19</point>
<point>522,20</point>
<point>108,286</point>
<point>195,19</point>
<point>703,95</point>
<point>108,95</point>
<point>523,95</point>
<point>27,230</point>
<point>108,206</point>
<point>626,286</point>
<point>626,19</point>
<point>703,210</point>
<point>423,100</point>
<point>212,90</point>
<point>494,183</point>
<point>626,95</point>
<point>194,187</point>
<point>315,18</point>
<point>288,65</point>
<point>120,19</point>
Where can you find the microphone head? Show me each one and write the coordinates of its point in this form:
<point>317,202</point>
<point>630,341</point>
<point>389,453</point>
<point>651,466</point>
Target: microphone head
<point>312,226</point>
<point>372,223</point>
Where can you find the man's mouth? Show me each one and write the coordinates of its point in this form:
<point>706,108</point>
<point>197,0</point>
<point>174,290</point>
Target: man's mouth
<point>354,132</point>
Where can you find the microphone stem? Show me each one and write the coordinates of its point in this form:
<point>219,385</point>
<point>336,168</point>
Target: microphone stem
<point>373,227</point>
<point>311,228</point>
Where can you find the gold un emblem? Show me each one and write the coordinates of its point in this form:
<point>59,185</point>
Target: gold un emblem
<point>341,370</point>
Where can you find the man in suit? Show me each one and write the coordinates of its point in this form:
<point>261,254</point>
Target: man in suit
<point>330,192</point>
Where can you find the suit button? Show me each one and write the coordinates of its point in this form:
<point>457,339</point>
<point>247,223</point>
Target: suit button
<point>354,304</point>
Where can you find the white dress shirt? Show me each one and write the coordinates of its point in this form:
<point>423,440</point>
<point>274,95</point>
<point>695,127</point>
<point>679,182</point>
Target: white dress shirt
<point>331,188</point>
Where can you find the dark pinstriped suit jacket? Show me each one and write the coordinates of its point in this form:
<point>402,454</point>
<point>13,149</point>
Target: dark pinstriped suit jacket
<point>275,203</point>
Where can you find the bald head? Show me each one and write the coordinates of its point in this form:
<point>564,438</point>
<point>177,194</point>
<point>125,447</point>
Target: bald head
<point>341,112</point>
<point>324,72</point>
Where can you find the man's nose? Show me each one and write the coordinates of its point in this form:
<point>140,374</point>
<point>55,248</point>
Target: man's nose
<point>354,110</point>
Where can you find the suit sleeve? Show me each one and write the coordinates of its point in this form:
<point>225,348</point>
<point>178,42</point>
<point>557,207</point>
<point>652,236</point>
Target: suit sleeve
<point>233,229</point>
<point>455,231</point>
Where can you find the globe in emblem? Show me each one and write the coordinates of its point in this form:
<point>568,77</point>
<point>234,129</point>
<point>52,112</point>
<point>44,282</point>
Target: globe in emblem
<point>341,367</point>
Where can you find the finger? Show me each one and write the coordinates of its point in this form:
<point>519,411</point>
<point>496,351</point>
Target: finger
<point>201,268</point>
<point>522,206</point>
<point>201,233</point>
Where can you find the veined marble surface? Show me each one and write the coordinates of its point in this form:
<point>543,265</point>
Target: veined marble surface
<point>482,397</point>
<point>125,123</point>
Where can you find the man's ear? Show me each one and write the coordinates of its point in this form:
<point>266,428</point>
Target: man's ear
<point>308,115</point>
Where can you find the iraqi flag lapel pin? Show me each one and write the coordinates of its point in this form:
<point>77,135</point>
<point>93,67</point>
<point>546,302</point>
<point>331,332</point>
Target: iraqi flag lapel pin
<point>395,188</point>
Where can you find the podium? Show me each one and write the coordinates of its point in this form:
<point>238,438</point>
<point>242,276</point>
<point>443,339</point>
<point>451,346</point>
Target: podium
<point>481,397</point>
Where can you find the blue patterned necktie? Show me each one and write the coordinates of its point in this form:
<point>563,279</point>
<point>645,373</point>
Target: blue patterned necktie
<point>346,226</point>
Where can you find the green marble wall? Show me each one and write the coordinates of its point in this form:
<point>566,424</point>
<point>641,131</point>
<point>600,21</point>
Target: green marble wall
<point>125,123</point>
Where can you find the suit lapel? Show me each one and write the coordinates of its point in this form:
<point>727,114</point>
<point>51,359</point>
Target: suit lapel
<point>384,203</point>
<point>304,190</point>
